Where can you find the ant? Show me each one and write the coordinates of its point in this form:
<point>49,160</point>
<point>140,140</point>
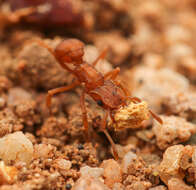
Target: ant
<point>8,18</point>
<point>104,89</point>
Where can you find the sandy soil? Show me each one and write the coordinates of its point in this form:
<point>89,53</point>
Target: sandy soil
<point>153,43</point>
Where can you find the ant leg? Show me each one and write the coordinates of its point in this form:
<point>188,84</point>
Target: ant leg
<point>133,99</point>
<point>155,116</point>
<point>101,56</point>
<point>59,90</point>
<point>112,74</point>
<point>84,114</point>
<point>126,92</point>
<point>103,128</point>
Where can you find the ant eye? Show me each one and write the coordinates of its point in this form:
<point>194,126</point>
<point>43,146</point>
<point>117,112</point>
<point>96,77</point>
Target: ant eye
<point>99,102</point>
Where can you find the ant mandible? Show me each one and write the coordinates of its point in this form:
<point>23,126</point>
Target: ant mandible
<point>104,89</point>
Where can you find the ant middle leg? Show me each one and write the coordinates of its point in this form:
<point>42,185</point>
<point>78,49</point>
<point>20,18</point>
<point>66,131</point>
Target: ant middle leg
<point>103,129</point>
<point>112,75</point>
<point>126,92</point>
<point>52,92</point>
<point>84,114</point>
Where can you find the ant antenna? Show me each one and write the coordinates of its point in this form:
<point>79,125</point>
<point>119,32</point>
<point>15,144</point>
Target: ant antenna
<point>156,117</point>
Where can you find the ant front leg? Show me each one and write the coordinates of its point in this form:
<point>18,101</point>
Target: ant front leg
<point>101,56</point>
<point>52,92</point>
<point>84,114</point>
<point>103,129</point>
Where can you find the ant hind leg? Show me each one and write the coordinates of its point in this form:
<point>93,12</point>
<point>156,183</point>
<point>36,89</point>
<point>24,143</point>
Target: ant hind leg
<point>52,92</point>
<point>112,75</point>
<point>103,129</point>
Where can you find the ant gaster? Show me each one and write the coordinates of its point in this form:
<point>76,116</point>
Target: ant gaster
<point>104,89</point>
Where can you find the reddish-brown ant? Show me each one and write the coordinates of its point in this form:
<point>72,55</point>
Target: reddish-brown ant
<point>108,93</point>
<point>50,13</point>
<point>7,18</point>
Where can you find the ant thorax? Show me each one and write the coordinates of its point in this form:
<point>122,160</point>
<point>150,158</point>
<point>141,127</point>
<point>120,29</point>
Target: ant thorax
<point>89,75</point>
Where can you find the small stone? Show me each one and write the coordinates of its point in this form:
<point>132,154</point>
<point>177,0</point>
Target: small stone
<point>16,147</point>
<point>89,171</point>
<point>43,151</point>
<point>128,158</point>
<point>170,165</point>
<point>89,183</point>
<point>90,179</point>
<point>174,130</point>
<point>63,164</point>
<point>112,172</point>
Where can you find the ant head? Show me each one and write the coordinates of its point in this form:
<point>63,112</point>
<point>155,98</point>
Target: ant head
<point>70,51</point>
